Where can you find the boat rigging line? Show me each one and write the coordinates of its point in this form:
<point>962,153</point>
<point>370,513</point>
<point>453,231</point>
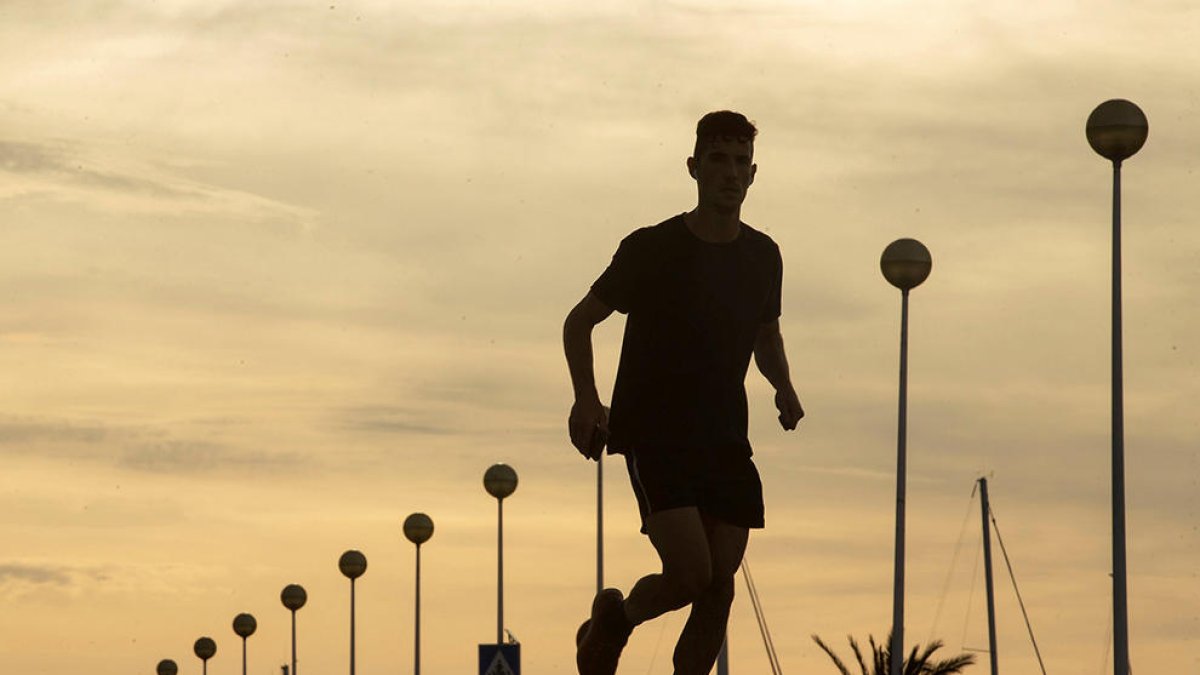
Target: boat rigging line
<point>1020,601</point>
<point>761,618</point>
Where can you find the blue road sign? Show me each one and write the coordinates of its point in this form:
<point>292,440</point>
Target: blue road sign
<point>500,659</point>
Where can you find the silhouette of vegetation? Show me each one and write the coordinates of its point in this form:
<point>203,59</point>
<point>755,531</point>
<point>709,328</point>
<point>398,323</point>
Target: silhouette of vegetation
<point>918,662</point>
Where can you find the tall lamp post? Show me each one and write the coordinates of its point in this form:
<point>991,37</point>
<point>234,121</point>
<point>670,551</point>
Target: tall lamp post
<point>244,625</point>
<point>352,565</point>
<point>1116,130</point>
<point>166,667</point>
<point>204,649</point>
<point>418,528</point>
<point>905,264</point>
<point>293,597</point>
<point>500,481</point>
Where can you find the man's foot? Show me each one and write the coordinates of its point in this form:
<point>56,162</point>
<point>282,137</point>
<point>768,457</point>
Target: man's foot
<point>600,639</point>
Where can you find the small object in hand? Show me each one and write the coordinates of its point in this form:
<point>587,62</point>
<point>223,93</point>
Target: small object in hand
<point>598,441</point>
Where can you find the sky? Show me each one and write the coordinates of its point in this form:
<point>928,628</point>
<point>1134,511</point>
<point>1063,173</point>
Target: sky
<point>276,275</point>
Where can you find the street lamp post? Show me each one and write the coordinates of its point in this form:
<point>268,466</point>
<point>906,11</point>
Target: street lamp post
<point>1116,130</point>
<point>500,481</point>
<point>352,565</point>
<point>244,625</point>
<point>204,648</point>
<point>166,667</point>
<point>905,264</point>
<point>293,597</point>
<point>418,528</point>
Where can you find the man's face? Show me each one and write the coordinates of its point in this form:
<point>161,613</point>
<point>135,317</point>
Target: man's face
<point>723,172</point>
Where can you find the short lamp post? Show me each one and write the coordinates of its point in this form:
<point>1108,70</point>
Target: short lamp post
<point>204,648</point>
<point>905,264</point>
<point>500,481</point>
<point>244,625</point>
<point>293,597</point>
<point>166,667</point>
<point>1116,130</point>
<point>352,565</point>
<point>418,528</point>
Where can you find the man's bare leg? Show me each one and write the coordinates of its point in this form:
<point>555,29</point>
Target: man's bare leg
<point>681,541</point>
<point>702,636</point>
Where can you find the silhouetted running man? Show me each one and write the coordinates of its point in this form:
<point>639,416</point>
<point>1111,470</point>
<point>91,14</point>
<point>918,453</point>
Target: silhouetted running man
<point>702,293</point>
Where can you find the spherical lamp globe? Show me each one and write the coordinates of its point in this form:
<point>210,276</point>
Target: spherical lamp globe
<point>293,596</point>
<point>905,263</point>
<point>244,625</point>
<point>1117,129</point>
<point>500,480</point>
<point>205,648</point>
<point>352,564</point>
<point>418,528</point>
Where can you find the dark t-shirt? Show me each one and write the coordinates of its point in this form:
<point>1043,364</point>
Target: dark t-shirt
<point>694,310</point>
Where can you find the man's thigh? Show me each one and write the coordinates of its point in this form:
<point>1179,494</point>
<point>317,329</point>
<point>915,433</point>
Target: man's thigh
<point>691,542</point>
<point>726,545</point>
<point>680,537</point>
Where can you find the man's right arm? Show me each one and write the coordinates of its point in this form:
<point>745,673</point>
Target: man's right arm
<point>588,423</point>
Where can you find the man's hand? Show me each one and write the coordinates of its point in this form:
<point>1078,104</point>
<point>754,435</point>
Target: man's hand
<point>790,410</point>
<point>588,426</point>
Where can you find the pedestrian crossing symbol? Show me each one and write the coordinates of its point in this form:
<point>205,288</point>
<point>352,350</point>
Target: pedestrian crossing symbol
<point>500,659</point>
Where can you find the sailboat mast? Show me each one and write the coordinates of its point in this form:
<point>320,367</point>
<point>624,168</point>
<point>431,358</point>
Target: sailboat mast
<point>987,569</point>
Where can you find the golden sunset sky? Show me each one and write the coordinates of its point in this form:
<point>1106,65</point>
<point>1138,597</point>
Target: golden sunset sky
<point>277,274</point>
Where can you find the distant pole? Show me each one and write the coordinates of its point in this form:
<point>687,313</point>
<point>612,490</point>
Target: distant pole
<point>204,648</point>
<point>352,565</point>
<point>244,625</point>
<point>293,597</point>
<point>600,523</point>
<point>500,481</point>
<point>1116,130</point>
<point>905,264</point>
<point>986,509</point>
<point>166,667</point>
<point>418,528</point>
<point>723,658</point>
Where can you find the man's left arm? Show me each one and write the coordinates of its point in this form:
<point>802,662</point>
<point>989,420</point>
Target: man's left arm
<point>771,360</point>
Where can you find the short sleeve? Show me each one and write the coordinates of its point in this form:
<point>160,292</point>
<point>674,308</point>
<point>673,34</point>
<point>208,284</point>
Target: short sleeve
<point>772,308</point>
<point>617,285</point>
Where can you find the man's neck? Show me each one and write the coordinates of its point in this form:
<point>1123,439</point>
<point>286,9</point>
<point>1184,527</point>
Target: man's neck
<point>712,226</point>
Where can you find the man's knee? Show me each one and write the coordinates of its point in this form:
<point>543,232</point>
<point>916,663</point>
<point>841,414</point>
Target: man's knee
<point>685,585</point>
<point>721,589</point>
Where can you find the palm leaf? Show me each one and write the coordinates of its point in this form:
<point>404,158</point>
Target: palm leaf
<point>836,661</point>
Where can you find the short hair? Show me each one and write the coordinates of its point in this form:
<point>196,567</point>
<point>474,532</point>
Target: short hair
<point>723,124</point>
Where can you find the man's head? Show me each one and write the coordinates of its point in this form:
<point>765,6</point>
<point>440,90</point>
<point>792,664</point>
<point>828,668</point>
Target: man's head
<point>723,160</point>
<point>722,124</point>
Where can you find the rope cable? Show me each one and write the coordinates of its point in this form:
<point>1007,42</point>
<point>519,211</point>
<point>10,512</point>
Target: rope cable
<point>971,593</point>
<point>662,628</point>
<point>761,618</point>
<point>1020,601</point>
<point>1108,638</point>
<point>962,532</point>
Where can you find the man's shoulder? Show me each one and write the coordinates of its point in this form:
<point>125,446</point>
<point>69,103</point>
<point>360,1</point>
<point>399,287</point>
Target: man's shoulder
<point>654,236</point>
<point>657,231</point>
<point>759,239</point>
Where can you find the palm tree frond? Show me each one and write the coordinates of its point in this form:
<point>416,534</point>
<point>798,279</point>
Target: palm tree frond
<point>862,664</point>
<point>836,661</point>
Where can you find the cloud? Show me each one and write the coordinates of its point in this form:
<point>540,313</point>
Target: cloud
<point>380,419</point>
<point>13,573</point>
<point>146,449</point>
<point>174,457</point>
<point>69,167</point>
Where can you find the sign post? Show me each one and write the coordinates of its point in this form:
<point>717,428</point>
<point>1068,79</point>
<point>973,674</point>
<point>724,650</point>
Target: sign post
<point>502,659</point>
